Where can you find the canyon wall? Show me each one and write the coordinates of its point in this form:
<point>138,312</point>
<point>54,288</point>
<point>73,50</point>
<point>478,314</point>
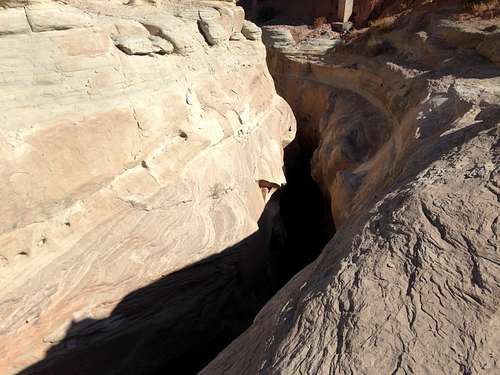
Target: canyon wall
<point>136,141</point>
<point>306,11</point>
<point>403,125</point>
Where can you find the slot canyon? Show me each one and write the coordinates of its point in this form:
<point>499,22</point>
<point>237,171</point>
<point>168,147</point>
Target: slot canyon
<point>249,187</point>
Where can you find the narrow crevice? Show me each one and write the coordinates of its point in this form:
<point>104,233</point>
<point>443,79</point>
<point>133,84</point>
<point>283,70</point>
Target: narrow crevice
<point>297,225</point>
<point>179,323</point>
<point>305,213</point>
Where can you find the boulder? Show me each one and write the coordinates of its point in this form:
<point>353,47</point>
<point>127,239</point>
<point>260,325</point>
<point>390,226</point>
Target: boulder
<point>276,37</point>
<point>251,31</point>
<point>213,31</point>
<point>136,45</point>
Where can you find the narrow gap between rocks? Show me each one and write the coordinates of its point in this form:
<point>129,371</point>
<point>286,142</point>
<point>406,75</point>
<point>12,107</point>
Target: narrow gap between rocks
<point>179,323</point>
<point>305,212</point>
<point>293,229</point>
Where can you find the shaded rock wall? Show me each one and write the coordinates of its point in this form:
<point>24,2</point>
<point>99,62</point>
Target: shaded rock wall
<point>405,126</point>
<point>307,11</point>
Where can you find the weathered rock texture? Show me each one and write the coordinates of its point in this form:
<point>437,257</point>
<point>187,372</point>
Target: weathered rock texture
<point>306,11</point>
<point>130,149</point>
<point>405,126</point>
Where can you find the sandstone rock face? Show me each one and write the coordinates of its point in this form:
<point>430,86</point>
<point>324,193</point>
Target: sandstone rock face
<point>277,38</point>
<point>490,47</point>
<point>405,129</point>
<point>55,17</point>
<point>236,36</point>
<point>121,166</point>
<point>143,45</point>
<point>213,31</point>
<point>307,11</point>
<point>364,8</point>
<point>251,31</point>
<point>344,10</point>
<point>13,21</point>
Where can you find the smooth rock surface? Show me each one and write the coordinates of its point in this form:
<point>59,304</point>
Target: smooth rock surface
<point>55,16</point>
<point>13,21</point>
<point>120,170</point>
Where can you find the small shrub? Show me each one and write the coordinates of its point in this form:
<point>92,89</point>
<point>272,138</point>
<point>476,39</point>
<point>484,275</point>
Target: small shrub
<point>318,22</point>
<point>470,3</point>
<point>481,6</point>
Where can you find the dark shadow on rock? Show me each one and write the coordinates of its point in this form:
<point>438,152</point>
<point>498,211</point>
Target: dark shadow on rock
<point>177,324</point>
<point>305,212</point>
<point>487,124</point>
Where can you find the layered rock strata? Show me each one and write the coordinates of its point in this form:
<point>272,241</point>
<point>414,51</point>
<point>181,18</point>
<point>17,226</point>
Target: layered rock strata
<point>131,149</point>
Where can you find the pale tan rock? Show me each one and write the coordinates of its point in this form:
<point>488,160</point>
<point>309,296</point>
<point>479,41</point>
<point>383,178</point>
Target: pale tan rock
<point>237,36</point>
<point>344,11</point>
<point>53,16</point>
<point>102,158</point>
<point>134,45</point>
<point>278,38</point>
<point>251,31</point>
<point>13,21</point>
<point>213,31</point>
<point>161,46</point>
<point>137,45</point>
<point>141,2</point>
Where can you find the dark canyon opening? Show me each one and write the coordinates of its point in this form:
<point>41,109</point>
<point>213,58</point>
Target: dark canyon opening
<point>179,323</point>
<point>305,213</point>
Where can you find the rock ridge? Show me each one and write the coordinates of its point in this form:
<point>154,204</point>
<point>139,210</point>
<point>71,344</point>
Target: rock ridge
<point>112,116</point>
<point>404,126</point>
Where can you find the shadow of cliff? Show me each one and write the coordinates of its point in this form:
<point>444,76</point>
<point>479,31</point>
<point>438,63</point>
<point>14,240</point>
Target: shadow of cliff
<point>180,322</point>
<point>177,324</point>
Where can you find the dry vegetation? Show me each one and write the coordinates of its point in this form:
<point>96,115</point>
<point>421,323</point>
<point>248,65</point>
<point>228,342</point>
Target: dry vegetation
<point>318,22</point>
<point>383,24</point>
<point>480,8</point>
<point>484,7</point>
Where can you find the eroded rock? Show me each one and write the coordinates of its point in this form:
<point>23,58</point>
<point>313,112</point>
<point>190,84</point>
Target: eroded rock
<point>213,31</point>
<point>405,136</point>
<point>237,36</point>
<point>134,45</point>
<point>278,38</point>
<point>53,16</point>
<point>251,31</point>
<point>143,45</point>
<point>105,223</point>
